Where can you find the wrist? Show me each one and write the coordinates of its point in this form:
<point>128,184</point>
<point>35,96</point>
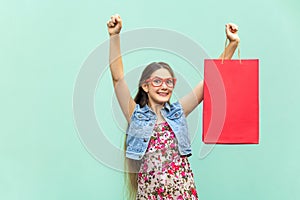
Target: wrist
<point>235,40</point>
<point>113,34</point>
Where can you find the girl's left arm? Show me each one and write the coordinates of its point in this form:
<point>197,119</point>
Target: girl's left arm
<point>232,35</point>
<point>190,101</point>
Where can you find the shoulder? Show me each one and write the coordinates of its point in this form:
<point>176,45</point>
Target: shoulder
<point>176,105</point>
<point>138,108</point>
<point>141,113</point>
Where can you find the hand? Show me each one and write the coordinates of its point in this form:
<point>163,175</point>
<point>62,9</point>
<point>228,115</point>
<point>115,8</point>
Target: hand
<point>114,25</point>
<point>231,32</point>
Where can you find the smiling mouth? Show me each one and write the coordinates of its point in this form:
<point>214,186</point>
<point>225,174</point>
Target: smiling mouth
<point>163,94</point>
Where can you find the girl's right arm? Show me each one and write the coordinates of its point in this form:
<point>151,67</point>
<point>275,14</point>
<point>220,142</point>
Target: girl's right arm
<point>125,100</point>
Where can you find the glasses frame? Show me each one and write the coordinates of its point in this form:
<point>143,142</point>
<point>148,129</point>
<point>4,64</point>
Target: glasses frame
<point>163,80</point>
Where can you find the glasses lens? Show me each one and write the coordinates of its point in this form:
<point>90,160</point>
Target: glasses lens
<point>157,82</point>
<point>170,82</point>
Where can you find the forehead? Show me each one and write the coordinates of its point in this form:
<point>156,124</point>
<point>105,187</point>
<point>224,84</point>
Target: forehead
<point>163,73</point>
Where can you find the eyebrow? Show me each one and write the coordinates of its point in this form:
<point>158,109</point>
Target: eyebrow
<point>160,77</point>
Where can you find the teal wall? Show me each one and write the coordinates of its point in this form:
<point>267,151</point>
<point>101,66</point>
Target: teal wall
<point>43,46</point>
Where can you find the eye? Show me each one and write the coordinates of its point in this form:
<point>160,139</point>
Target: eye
<point>169,82</point>
<point>156,81</point>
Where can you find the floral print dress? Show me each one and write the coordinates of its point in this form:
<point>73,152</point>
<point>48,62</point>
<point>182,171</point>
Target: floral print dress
<point>164,174</point>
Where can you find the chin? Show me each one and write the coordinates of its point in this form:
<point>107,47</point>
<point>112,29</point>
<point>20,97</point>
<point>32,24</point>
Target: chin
<point>163,100</point>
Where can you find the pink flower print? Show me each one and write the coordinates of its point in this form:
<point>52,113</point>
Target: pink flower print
<point>151,173</point>
<point>183,174</point>
<point>174,166</point>
<point>152,141</point>
<point>194,192</point>
<point>146,179</point>
<point>158,140</point>
<point>169,196</point>
<point>170,172</point>
<point>172,145</point>
<point>164,163</point>
<point>172,136</point>
<point>145,167</point>
<point>160,190</point>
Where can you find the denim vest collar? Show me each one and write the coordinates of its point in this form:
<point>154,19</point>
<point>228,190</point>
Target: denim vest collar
<point>141,127</point>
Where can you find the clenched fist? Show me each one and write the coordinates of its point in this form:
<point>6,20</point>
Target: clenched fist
<point>231,32</point>
<point>114,25</point>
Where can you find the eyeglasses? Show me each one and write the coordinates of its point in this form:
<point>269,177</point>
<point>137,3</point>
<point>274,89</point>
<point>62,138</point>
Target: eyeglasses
<point>157,82</point>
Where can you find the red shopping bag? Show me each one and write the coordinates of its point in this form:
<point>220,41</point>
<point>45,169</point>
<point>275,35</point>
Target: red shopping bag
<point>231,103</point>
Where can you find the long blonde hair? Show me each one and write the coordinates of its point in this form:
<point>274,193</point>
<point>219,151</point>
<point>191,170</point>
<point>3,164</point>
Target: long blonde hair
<point>132,166</point>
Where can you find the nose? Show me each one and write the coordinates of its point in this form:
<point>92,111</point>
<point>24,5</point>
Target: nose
<point>164,85</point>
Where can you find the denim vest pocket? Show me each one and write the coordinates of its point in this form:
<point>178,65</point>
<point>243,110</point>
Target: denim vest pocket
<point>177,118</point>
<point>138,123</point>
<point>175,114</point>
<point>140,116</point>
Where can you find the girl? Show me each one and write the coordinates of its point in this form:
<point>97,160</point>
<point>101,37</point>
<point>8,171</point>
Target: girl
<point>157,145</point>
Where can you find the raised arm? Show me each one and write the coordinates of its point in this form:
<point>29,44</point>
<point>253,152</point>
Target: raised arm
<point>190,101</point>
<point>234,40</point>
<point>125,100</point>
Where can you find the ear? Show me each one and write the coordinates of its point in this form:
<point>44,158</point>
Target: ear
<point>145,87</point>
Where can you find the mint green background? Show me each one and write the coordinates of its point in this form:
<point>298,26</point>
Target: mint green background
<point>43,45</point>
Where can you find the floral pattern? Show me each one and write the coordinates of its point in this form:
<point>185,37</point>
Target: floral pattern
<point>164,174</point>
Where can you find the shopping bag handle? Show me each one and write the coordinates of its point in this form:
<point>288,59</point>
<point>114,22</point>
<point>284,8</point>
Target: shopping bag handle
<point>239,51</point>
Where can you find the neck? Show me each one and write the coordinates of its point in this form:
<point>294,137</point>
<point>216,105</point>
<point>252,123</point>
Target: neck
<point>156,107</point>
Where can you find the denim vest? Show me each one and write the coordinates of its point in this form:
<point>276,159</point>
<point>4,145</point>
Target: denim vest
<point>142,124</point>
